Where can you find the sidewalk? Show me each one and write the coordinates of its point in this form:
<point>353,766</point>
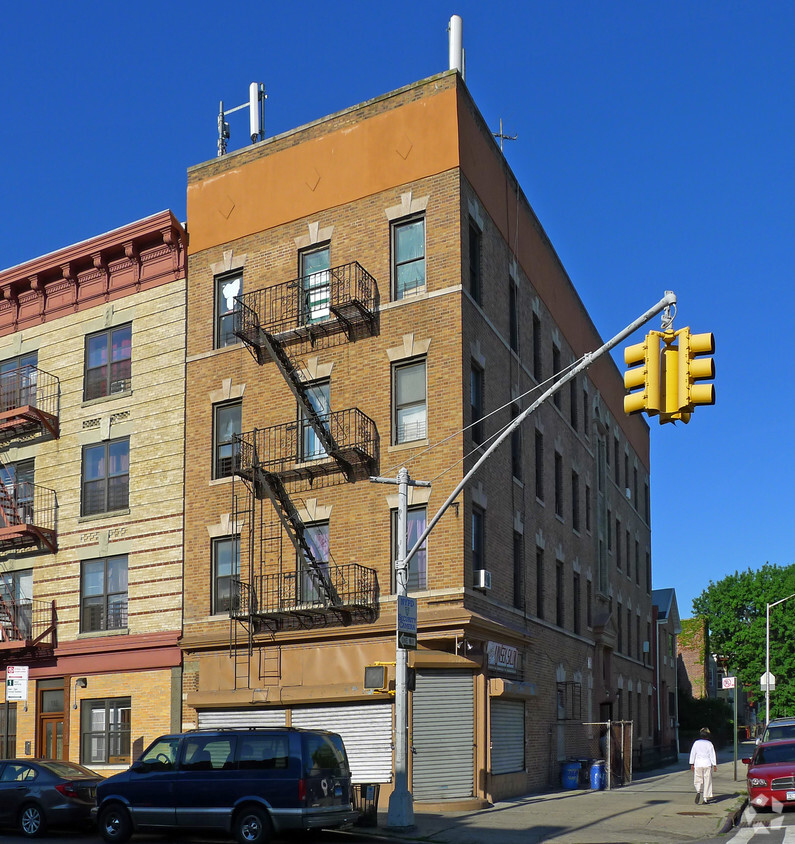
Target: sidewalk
<point>657,807</point>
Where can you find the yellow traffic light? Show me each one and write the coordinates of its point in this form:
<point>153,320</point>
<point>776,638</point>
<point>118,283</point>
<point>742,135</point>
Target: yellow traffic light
<point>645,358</point>
<point>693,368</point>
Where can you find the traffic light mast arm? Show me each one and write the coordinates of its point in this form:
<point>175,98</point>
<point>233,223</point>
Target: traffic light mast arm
<point>588,358</point>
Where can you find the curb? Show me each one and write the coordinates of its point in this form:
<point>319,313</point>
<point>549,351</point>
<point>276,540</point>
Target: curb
<point>733,818</point>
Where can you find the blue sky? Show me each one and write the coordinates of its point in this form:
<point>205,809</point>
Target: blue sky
<point>655,143</point>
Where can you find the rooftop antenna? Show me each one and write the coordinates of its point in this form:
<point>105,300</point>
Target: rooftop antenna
<point>455,31</point>
<point>504,137</point>
<point>256,107</point>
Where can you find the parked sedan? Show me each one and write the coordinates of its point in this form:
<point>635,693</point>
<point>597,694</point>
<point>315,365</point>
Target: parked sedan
<point>771,775</point>
<point>39,793</point>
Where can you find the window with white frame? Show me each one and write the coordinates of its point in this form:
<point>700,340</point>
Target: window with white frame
<point>105,731</point>
<point>408,257</point>
<point>227,288</point>
<point>418,564</point>
<point>225,567</point>
<point>315,283</point>
<point>410,416</point>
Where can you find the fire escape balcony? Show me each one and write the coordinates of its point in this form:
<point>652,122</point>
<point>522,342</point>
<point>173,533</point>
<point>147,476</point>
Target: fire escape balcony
<point>339,300</point>
<point>28,402</point>
<point>294,452</point>
<point>27,516</point>
<point>27,624</point>
<point>287,600</point>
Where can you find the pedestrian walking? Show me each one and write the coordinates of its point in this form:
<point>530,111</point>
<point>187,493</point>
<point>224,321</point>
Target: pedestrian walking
<point>702,763</point>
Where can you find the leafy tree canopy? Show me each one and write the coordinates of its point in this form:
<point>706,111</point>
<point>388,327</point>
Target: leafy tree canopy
<point>735,611</point>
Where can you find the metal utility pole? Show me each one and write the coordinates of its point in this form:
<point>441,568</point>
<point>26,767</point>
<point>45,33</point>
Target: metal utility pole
<point>401,802</point>
<point>767,677</point>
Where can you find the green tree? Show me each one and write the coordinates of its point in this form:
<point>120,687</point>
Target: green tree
<point>735,611</point>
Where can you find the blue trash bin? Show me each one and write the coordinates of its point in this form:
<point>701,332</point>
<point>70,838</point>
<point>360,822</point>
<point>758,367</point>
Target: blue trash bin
<point>598,774</point>
<point>570,774</point>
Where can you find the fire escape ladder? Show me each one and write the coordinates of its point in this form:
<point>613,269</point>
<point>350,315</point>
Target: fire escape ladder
<point>9,615</point>
<point>271,486</point>
<point>10,516</point>
<point>290,371</point>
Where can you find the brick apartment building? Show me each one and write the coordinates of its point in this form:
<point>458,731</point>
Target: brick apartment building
<point>92,373</point>
<point>370,291</point>
<point>665,653</point>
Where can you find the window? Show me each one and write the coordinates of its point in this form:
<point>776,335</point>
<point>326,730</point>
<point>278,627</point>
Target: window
<point>588,508</point>
<point>609,530</point>
<point>647,508</point>
<point>316,537</point>
<point>573,416</point>
<point>18,379</point>
<point>410,403</point>
<point>8,730</point>
<point>589,603</point>
<point>626,470</point>
<point>225,566</point>
<point>513,315</point>
<point>418,564</point>
<point>620,629</point>
<point>637,563</point>
<point>17,481</point>
<point>539,582</point>
<point>635,500</point>
<point>16,591</point>
<point>618,544</point>
<point>475,241</point>
<point>314,266</point>
<point>106,477</point>
<point>637,638</point>
<point>105,731</point>
<point>558,485</point>
<point>555,370</point>
<point>616,467</point>
<point>626,552</point>
<point>408,255</point>
<point>516,446</point>
<point>319,398</point>
<point>227,289</point>
<point>518,570</point>
<point>103,594</point>
<point>476,402</point>
<point>227,423</point>
<point>585,413</point>
<point>575,501</point>
<point>576,598</point>
<point>629,632</point>
<point>536,348</point>
<point>478,540</point>
<point>539,443</point>
<point>648,572</point>
<point>108,362</point>
<point>560,602</point>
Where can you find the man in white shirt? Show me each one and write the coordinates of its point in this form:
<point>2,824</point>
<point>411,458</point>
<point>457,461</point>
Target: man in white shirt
<point>702,763</point>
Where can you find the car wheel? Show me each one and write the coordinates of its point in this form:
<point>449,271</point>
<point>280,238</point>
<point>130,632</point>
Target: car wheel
<point>31,821</point>
<point>252,826</point>
<point>114,824</point>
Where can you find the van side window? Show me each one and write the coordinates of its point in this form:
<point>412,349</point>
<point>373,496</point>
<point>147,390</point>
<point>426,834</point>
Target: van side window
<point>207,753</point>
<point>322,754</point>
<point>161,755</point>
<point>265,752</point>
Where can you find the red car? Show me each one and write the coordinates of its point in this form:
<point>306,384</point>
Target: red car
<point>771,775</point>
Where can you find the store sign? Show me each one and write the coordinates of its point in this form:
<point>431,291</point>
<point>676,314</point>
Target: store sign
<point>504,657</point>
<point>17,683</point>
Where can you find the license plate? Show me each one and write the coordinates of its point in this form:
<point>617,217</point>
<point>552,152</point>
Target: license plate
<point>790,795</point>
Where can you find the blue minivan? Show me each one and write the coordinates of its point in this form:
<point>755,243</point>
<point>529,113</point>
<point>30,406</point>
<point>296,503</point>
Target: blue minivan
<point>249,783</point>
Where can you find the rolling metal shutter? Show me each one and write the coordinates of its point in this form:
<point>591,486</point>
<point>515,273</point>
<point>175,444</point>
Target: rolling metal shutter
<point>366,731</point>
<point>507,736</point>
<point>443,729</point>
<point>218,719</point>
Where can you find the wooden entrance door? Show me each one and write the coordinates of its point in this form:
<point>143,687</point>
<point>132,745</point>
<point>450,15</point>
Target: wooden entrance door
<point>51,745</point>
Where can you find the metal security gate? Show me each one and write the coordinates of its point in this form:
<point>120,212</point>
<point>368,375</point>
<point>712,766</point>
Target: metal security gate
<point>507,736</point>
<point>442,736</point>
<point>221,718</point>
<point>366,731</point>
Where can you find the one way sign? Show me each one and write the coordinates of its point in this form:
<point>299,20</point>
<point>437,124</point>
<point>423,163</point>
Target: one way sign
<point>407,641</point>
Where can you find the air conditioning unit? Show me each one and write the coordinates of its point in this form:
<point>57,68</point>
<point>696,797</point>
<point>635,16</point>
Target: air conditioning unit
<point>645,647</point>
<point>118,386</point>
<point>482,579</point>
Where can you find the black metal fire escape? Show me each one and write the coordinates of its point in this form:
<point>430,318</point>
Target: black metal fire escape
<point>276,324</point>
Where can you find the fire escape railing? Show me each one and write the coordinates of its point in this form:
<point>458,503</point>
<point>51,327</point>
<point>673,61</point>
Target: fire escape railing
<point>28,515</point>
<point>26,623</point>
<point>343,298</point>
<point>28,401</point>
<point>292,452</point>
<point>289,599</point>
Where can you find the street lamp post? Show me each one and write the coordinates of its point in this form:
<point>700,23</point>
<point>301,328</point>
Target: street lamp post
<point>767,653</point>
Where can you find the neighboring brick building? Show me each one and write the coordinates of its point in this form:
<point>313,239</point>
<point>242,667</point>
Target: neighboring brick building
<point>667,626</point>
<point>694,658</point>
<point>92,373</point>
<point>364,293</point>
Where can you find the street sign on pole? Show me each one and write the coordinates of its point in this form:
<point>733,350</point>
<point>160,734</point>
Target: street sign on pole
<point>407,641</point>
<point>768,682</point>
<point>728,682</point>
<point>17,683</point>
